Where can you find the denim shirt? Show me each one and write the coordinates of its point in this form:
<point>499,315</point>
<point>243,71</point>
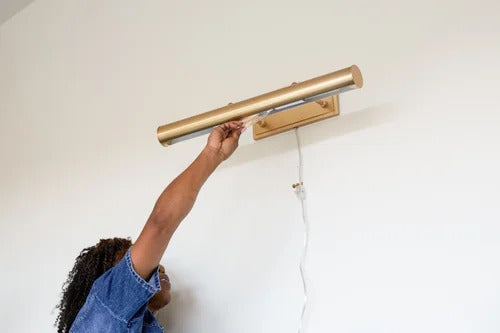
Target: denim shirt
<point>118,302</point>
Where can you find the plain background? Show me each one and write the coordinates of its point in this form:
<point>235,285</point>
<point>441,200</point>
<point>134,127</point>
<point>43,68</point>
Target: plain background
<point>402,188</point>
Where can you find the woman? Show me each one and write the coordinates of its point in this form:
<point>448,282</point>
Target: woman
<point>116,286</point>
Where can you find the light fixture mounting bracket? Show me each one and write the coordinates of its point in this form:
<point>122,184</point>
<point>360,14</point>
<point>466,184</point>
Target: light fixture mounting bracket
<point>297,116</point>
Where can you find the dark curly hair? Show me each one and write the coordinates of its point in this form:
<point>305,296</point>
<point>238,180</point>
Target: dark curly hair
<point>91,263</point>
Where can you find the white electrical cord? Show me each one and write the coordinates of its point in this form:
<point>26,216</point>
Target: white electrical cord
<point>301,195</point>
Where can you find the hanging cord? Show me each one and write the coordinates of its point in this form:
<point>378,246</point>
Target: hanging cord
<point>300,192</point>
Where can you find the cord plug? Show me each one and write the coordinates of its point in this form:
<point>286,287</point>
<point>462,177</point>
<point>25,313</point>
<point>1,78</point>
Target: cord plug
<point>300,190</point>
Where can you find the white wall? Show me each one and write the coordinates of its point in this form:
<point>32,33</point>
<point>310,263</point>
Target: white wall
<point>403,187</point>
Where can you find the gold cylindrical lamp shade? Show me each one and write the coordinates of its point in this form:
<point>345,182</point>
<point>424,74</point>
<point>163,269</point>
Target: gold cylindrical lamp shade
<point>335,82</point>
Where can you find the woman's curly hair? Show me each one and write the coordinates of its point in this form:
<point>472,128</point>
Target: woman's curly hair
<point>91,263</point>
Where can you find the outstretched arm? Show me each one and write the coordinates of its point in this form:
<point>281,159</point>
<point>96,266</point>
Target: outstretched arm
<point>178,198</point>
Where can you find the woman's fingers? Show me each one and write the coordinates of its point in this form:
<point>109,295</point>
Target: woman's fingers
<point>236,134</point>
<point>231,126</point>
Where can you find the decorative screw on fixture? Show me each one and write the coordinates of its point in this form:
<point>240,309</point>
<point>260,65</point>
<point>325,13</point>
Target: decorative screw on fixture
<point>322,103</point>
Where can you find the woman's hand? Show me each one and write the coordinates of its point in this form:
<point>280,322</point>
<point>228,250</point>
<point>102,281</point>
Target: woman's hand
<point>223,140</point>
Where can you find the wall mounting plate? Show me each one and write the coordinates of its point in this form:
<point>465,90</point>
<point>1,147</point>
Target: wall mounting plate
<point>295,117</point>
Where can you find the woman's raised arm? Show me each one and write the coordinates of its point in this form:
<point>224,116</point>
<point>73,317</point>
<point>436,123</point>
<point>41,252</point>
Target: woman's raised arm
<point>176,201</point>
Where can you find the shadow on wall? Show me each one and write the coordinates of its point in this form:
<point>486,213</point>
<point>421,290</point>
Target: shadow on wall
<point>323,130</point>
<point>182,311</point>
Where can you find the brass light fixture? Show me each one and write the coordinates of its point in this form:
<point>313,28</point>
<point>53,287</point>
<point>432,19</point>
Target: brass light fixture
<point>296,105</point>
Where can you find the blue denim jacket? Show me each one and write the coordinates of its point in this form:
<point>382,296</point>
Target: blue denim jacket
<point>118,302</point>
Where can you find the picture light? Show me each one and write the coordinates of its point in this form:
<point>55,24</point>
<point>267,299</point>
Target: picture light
<point>277,111</point>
